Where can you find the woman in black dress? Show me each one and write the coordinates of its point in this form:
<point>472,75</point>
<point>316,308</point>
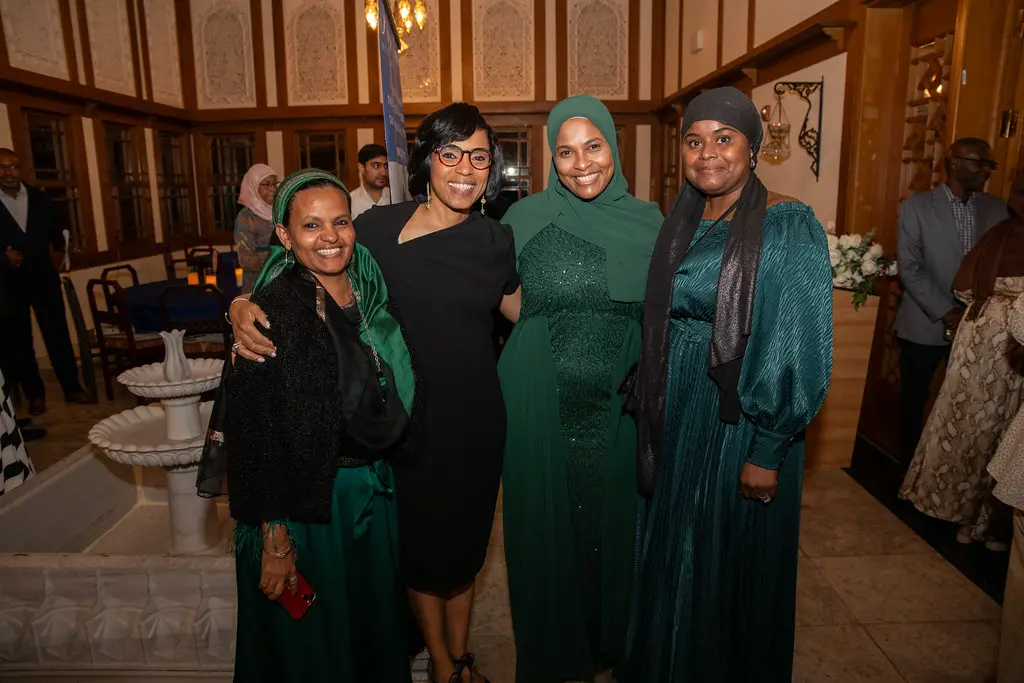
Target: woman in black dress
<point>447,268</point>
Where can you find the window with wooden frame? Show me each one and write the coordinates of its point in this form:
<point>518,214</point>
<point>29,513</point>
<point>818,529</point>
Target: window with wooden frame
<point>231,155</point>
<point>128,184</point>
<point>175,185</point>
<point>324,150</point>
<point>51,168</point>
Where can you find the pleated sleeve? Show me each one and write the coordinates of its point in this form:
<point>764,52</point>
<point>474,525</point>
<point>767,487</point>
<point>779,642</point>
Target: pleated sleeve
<point>788,363</point>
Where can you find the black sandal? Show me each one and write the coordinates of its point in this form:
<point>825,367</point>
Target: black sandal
<point>466,661</point>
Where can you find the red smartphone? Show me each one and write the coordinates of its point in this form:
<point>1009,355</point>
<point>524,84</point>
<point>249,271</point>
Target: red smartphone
<point>298,602</point>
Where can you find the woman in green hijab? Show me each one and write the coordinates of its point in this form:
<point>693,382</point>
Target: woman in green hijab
<point>569,480</point>
<point>308,436</point>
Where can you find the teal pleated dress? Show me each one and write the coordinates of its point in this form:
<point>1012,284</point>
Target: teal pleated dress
<point>355,629</point>
<point>716,589</point>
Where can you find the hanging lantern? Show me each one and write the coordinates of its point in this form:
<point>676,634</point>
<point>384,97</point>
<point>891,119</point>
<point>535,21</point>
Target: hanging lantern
<point>776,147</point>
<point>371,13</point>
<point>420,13</point>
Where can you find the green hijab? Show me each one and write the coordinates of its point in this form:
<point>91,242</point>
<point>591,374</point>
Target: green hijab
<point>380,330</point>
<point>624,226</point>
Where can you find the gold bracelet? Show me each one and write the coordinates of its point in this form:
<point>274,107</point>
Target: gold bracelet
<point>278,555</point>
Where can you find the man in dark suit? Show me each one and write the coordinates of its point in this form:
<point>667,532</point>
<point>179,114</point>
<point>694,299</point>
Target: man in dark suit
<point>29,230</point>
<point>937,229</point>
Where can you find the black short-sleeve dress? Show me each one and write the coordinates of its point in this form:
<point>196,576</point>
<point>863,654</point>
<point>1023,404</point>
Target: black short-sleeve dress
<point>445,287</point>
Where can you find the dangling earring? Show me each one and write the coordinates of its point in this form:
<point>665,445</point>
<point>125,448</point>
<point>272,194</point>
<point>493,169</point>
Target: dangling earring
<point>289,258</point>
<point>428,197</point>
<point>483,206</point>
<point>753,160</point>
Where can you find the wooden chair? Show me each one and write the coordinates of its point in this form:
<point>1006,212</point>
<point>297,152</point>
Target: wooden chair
<point>171,265</point>
<point>205,337</point>
<point>105,274</point>
<point>86,337</point>
<point>118,344</point>
<point>203,259</point>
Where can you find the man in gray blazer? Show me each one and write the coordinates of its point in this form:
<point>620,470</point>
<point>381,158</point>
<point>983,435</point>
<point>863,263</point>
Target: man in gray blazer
<point>937,229</point>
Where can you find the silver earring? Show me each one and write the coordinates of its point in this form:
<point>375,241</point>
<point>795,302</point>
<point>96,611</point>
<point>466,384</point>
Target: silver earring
<point>753,160</point>
<point>483,206</point>
<point>428,198</point>
<point>289,258</point>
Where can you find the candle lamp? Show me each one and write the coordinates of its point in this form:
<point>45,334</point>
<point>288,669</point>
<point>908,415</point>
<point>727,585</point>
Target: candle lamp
<point>238,277</point>
<point>211,279</point>
<point>193,277</point>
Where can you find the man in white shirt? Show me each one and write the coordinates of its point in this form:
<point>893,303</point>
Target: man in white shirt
<point>373,187</point>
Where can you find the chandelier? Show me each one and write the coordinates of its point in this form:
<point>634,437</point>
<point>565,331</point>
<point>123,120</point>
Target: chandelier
<point>407,13</point>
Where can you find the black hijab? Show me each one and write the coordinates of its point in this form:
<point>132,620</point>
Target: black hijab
<point>736,284</point>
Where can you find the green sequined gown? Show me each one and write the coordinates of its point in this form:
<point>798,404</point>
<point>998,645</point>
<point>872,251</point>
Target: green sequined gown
<point>569,476</point>
<point>715,597</point>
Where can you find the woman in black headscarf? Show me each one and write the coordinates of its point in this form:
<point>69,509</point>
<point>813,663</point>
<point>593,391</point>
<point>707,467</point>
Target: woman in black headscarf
<point>735,362</point>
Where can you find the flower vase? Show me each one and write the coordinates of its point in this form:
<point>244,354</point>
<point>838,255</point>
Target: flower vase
<point>175,364</point>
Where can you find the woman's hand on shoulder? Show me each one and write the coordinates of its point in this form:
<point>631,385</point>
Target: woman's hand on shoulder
<point>251,343</point>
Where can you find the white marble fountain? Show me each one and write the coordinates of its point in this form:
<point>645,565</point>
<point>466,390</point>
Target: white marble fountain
<point>110,563</point>
<point>171,436</point>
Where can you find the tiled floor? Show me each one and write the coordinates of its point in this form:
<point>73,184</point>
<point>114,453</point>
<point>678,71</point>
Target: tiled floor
<point>875,603</point>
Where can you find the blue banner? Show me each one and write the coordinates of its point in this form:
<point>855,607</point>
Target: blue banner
<point>394,114</point>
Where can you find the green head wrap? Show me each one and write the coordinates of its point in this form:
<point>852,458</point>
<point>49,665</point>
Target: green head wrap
<point>381,331</point>
<point>624,226</point>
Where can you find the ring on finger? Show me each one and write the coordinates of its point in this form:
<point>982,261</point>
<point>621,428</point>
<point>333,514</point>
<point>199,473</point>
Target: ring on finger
<point>765,498</point>
<point>235,347</point>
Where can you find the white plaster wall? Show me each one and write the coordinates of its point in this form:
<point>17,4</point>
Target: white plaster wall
<point>699,19</point>
<point>734,35</point>
<point>793,177</point>
<point>777,17</point>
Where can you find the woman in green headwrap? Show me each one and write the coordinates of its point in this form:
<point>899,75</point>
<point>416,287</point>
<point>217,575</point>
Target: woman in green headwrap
<point>569,482</point>
<point>308,436</point>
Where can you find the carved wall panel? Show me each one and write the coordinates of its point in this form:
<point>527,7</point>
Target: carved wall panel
<point>164,62</point>
<point>503,57</point>
<point>222,38</point>
<point>421,63</point>
<point>315,49</point>
<point>35,40</point>
<point>599,48</point>
<point>110,40</point>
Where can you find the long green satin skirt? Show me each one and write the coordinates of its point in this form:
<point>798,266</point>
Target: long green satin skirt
<point>356,629</point>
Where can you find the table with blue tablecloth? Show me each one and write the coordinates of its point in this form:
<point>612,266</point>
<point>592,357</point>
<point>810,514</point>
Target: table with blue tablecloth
<point>144,302</point>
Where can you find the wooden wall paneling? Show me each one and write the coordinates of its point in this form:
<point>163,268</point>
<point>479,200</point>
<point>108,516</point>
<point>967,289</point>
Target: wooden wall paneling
<point>1007,73</point>
<point>83,28</point>
<point>658,56</point>
<point>4,61</point>
<point>103,168</point>
<point>68,30</point>
<point>186,53</point>
<point>721,31</point>
<point>751,18</point>
<point>280,54</point>
<point>468,78</point>
<point>291,150</point>
<point>144,37</point>
<point>444,18</point>
<point>373,64</point>
<point>633,72</point>
<point>133,28</point>
<point>19,136</point>
<point>539,48</point>
<point>86,221</point>
<point>628,160</point>
<point>682,44</point>
<point>351,176</point>
<point>259,153</point>
<point>978,44</point>
<point>258,56</point>
<point>352,21</point>
<point>538,170</point>
<point>931,19</point>
<point>562,48</point>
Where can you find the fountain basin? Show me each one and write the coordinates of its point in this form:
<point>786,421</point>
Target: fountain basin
<point>139,437</point>
<point>148,381</point>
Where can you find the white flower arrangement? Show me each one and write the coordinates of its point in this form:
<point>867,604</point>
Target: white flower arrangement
<point>857,261</point>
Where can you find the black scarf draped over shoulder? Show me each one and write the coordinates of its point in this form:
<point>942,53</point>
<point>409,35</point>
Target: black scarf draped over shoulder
<point>736,285</point>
